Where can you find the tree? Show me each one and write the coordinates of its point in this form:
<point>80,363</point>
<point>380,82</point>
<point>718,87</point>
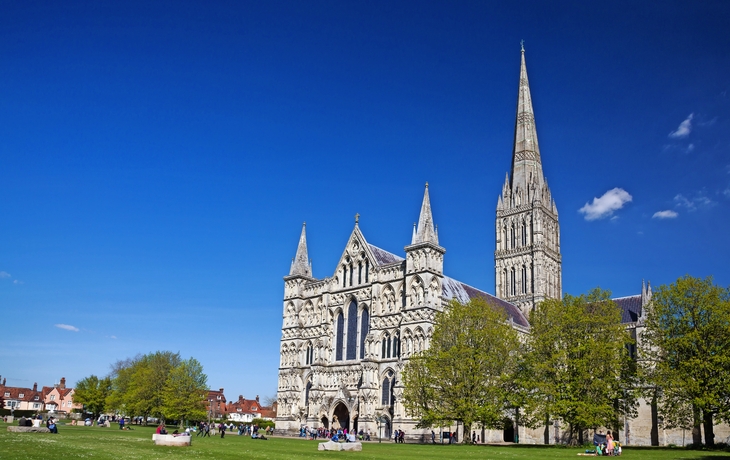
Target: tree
<point>185,391</point>
<point>687,352</point>
<point>577,366</point>
<point>140,383</point>
<point>92,392</point>
<point>463,376</point>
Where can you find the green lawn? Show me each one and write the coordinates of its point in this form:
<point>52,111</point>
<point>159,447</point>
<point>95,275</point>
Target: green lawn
<point>111,443</point>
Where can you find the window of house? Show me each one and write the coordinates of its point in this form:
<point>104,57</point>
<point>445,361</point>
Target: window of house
<point>21,395</point>
<point>36,406</point>
<point>36,398</point>
<point>53,397</point>
<point>7,393</point>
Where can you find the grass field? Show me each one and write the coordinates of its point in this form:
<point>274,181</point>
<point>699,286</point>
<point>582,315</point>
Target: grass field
<point>111,443</point>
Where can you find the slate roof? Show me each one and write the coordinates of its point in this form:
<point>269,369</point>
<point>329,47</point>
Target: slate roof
<point>383,257</point>
<point>630,308</point>
<point>453,289</point>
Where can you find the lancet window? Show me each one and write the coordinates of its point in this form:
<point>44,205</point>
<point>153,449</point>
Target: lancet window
<point>339,332</point>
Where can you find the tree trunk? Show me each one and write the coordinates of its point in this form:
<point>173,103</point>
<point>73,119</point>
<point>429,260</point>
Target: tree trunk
<point>546,433</point>
<point>696,426</point>
<point>654,422</point>
<point>709,429</point>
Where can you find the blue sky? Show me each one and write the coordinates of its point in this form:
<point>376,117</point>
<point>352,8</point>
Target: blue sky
<point>157,159</point>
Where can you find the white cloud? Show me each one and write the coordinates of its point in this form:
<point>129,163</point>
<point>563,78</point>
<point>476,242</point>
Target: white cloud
<point>67,327</point>
<point>611,201</point>
<point>18,282</point>
<point>690,148</point>
<point>668,214</point>
<point>684,128</point>
<point>691,204</point>
<point>113,337</point>
<point>4,275</point>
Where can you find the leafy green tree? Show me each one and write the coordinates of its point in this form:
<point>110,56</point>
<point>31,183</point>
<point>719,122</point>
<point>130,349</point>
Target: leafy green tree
<point>577,366</point>
<point>687,352</point>
<point>464,374</point>
<point>185,392</point>
<point>92,392</point>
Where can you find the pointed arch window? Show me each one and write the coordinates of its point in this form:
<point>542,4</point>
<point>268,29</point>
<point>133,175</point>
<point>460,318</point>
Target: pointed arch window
<point>513,287</point>
<point>367,269</point>
<point>524,279</point>
<point>351,331</point>
<point>351,273</point>
<point>396,345</point>
<point>339,332</point>
<point>310,354</point>
<point>386,346</point>
<point>364,329</point>
<point>387,395</point>
<point>344,276</point>
<point>524,234</point>
<point>306,394</point>
<point>359,273</point>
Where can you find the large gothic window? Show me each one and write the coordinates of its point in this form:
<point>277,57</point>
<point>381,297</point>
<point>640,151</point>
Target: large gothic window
<point>352,331</point>
<point>387,396</point>
<point>339,331</point>
<point>364,329</point>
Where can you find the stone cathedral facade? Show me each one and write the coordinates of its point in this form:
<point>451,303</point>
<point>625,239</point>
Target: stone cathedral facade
<point>346,338</point>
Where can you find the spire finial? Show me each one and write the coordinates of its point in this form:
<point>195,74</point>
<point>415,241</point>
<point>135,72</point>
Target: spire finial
<point>426,184</point>
<point>357,218</point>
<point>301,265</point>
<point>522,45</point>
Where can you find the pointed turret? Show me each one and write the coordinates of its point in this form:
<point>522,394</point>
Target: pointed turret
<point>301,264</point>
<point>526,163</point>
<point>426,232</point>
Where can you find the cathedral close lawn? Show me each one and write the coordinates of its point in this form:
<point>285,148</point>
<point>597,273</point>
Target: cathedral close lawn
<point>111,443</point>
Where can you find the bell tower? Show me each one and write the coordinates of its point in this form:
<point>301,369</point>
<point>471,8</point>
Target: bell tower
<point>528,267</point>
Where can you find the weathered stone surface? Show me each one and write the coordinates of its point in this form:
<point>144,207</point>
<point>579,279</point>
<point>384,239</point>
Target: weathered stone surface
<point>171,440</point>
<point>351,446</point>
<point>28,429</point>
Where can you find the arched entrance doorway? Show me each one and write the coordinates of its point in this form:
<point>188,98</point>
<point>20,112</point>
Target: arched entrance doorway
<point>509,431</point>
<point>342,415</point>
<point>325,422</point>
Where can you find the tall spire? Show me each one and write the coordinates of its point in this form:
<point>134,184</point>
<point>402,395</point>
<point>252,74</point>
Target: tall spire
<point>426,233</point>
<point>526,163</point>
<point>301,264</point>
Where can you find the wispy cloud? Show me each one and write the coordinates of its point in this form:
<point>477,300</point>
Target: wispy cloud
<point>4,275</point>
<point>602,207</point>
<point>113,337</point>
<point>684,128</point>
<point>691,204</point>
<point>18,282</point>
<point>67,327</point>
<point>668,214</point>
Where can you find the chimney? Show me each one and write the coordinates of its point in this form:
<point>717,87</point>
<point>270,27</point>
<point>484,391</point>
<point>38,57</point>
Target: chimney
<point>240,398</point>
<point>35,386</point>
<point>221,390</point>
<point>62,385</point>
<point>257,398</point>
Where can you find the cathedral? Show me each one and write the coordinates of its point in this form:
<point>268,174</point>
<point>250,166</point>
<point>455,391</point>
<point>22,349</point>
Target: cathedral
<point>345,339</point>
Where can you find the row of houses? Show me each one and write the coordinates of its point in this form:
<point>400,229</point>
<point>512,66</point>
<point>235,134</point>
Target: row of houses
<point>243,410</point>
<point>60,399</point>
<point>55,399</point>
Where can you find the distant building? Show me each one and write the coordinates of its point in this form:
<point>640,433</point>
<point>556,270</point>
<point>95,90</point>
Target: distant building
<point>216,403</point>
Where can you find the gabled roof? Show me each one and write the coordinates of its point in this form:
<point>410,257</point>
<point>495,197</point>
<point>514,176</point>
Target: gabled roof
<point>453,289</point>
<point>383,257</point>
<point>630,308</point>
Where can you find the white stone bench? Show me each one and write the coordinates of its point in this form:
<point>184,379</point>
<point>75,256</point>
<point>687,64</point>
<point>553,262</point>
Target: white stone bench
<point>28,429</point>
<point>331,445</point>
<point>171,440</point>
